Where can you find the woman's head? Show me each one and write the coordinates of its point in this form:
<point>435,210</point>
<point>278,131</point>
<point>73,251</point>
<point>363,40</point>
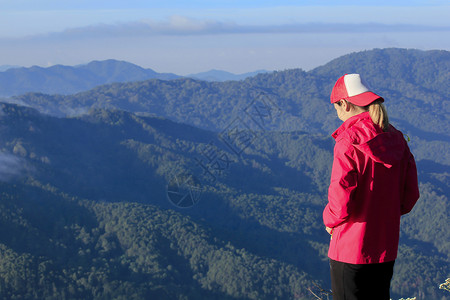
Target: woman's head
<point>345,109</point>
<point>352,96</point>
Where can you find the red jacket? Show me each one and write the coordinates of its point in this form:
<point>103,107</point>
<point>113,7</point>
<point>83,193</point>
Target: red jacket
<point>373,183</point>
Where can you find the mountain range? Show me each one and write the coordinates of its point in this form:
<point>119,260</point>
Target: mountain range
<point>61,79</point>
<point>7,67</point>
<point>219,75</point>
<point>66,80</point>
<point>189,189</point>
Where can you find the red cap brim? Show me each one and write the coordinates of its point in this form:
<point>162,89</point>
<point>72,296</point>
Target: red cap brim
<point>364,99</point>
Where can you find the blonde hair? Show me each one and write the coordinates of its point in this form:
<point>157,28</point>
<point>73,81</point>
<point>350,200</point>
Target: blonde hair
<point>379,115</point>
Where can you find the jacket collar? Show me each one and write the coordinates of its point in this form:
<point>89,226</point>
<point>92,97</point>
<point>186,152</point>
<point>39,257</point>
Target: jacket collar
<point>350,122</point>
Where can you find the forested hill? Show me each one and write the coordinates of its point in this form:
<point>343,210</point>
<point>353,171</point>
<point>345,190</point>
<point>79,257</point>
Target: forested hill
<point>86,211</point>
<point>186,189</point>
<point>90,209</point>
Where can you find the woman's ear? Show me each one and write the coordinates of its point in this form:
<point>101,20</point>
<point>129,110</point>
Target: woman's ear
<point>345,105</point>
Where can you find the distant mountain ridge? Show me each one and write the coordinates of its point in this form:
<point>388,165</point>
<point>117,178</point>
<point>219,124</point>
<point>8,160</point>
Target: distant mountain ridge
<point>7,67</point>
<point>66,80</point>
<point>219,75</point>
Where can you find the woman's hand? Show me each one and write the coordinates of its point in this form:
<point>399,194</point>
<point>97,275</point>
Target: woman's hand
<point>329,230</point>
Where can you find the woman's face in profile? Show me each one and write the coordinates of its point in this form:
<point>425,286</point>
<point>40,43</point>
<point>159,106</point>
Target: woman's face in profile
<point>339,111</point>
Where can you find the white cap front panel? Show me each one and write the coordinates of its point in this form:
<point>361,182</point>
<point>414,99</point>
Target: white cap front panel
<point>354,85</point>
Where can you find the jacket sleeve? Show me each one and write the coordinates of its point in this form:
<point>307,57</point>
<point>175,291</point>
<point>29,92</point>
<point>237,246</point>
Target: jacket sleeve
<point>411,190</point>
<point>344,179</point>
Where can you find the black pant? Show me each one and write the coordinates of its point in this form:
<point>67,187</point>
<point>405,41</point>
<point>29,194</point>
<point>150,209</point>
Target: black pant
<point>361,282</point>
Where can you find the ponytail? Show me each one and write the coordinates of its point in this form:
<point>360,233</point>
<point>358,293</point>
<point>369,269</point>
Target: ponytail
<point>378,113</point>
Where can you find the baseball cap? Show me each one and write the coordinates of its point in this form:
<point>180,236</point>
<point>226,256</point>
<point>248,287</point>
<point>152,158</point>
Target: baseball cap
<point>353,88</point>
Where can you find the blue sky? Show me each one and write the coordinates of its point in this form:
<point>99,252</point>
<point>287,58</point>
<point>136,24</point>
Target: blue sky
<point>239,36</point>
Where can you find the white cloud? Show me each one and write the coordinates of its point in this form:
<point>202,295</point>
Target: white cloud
<point>10,166</point>
<point>25,22</point>
<point>178,25</point>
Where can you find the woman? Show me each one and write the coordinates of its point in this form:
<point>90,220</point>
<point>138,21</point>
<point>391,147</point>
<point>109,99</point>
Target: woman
<point>373,182</point>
